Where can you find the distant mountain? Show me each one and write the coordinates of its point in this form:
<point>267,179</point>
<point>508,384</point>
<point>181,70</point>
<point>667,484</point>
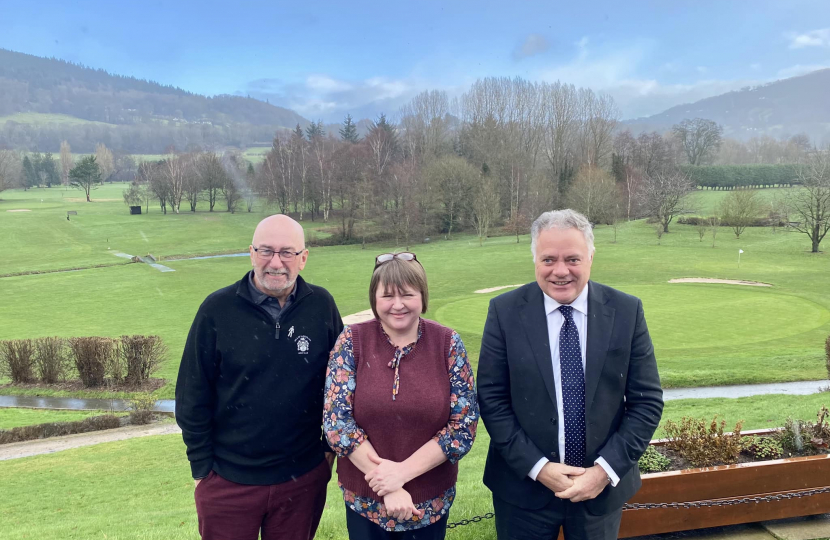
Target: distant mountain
<point>780,108</point>
<point>48,86</point>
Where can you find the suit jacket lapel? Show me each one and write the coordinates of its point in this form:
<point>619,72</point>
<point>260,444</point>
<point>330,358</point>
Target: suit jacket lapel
<point>600,324</point>
<point>535,324</point>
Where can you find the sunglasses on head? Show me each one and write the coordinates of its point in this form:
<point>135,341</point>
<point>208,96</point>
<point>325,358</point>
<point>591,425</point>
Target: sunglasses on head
<point>386,257</point>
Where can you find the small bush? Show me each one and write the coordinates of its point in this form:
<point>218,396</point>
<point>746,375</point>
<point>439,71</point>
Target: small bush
<point>653,461</point>
<point>805,437</point>
<point>17,360</point>
<point>141,356</point>
<point>762,448</point>
<point>51,359</point>
<point>93,357</point>
<point>141,409</point>
<point>704,445</point>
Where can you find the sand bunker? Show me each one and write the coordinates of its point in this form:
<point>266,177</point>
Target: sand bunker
<point>19,210</point>
<point>723,281</point>
<point>494,289</point>
<point>359,317</point>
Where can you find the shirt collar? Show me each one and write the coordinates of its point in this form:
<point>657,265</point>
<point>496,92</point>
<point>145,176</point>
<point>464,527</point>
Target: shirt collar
<point>259,297</point>
<point>580,304</point>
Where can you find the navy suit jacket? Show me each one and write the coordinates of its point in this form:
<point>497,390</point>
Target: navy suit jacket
<point>517,396</point>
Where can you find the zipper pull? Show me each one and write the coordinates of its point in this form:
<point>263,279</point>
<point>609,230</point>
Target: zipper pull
<point>277,336</point>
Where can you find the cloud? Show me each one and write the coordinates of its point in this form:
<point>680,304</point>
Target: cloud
<point>799,69</point>
<point>533,44</point>
<point>324,97</point>
<point>616,72</point>
<point>813,38</point>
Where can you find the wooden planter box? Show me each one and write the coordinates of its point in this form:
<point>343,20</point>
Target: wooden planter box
<point>728,482</point>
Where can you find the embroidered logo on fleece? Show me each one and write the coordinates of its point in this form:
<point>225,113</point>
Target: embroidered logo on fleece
<point>302,344</point>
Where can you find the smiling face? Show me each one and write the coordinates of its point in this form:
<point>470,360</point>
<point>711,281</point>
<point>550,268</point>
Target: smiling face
<point>563,263</point>
<point>398,308</point>
<point>273,276</point>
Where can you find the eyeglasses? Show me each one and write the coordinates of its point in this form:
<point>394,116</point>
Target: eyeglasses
<point>285,255</point>
<point>386,257</point>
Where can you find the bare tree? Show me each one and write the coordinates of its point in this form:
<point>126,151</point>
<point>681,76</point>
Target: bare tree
<point>594,194</point>
<point>702,227</point>
<point>425,122</point>
<point>153,175</point>
<point>740,209</point>
<point>664,196</point>
<point>212,175</point>
<point>486,207</point>
<point>106,163</point>
<point>10,168</point>
<point>176,171</point>
<point>67,162</point>
<point>453,177</point>
<point>700,139</point>
<point>714,225</point>
<point>811,203</point>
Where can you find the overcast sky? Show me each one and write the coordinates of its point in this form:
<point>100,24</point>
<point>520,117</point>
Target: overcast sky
<point>324,59</point>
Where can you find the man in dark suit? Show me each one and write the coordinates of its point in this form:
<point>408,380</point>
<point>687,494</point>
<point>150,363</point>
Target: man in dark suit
<point>569,393</point>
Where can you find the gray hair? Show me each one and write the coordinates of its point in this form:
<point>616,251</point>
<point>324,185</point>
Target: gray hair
<point>562,219</point>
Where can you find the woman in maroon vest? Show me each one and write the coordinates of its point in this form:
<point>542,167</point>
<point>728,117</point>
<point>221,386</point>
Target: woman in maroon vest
<point>400,410</point>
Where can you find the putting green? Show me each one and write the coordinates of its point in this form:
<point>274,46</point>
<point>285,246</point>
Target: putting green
<point>688,316</point>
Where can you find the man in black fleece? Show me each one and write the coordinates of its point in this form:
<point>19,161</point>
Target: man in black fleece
<point>249,395</point>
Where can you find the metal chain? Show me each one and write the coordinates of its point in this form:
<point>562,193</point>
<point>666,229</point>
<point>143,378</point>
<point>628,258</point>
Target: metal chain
<point>476,519</point>
<point>694,504</point>
<point>729,502</point>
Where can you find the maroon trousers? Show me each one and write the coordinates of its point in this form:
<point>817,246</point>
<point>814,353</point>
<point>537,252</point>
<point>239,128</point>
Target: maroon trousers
<point>287,511</point>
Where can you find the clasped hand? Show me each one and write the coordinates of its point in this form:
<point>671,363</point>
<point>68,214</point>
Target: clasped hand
<point>387,480</point>
<point>387,477</point>
<point>573,483</point>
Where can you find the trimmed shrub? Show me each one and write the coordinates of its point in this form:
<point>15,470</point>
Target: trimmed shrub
<point>805,437</point>
<point>141,409</point>
<point>59,429</point>
<point>141,356</point>
<point>17,360</point>
<point>93,357</point>
<point>51,359</point>
<point>653,461</point>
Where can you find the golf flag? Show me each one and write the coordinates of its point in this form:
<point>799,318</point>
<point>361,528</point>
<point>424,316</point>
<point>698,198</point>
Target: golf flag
<point>740,251</point>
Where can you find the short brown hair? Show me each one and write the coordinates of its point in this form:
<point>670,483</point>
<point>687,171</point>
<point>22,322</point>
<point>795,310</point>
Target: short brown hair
<point>399,274</point>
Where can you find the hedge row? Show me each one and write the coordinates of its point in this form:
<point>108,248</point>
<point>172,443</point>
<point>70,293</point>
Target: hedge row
<point>60,429</point>
<point>743,176</point>
<point>128,360</point>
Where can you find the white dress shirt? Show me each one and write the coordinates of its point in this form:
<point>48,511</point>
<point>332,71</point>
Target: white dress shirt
<point>555,321</point>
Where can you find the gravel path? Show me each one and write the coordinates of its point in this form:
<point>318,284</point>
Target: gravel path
<point>56,444</point>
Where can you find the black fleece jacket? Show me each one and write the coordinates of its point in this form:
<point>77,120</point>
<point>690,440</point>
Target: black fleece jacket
<point>249,396</point>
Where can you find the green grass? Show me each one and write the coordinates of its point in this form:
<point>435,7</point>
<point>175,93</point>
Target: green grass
<point>141,488</point>
<point>704,334</point>
<point>705,202</point>
<point>48,118</point>
<point>11,418</point>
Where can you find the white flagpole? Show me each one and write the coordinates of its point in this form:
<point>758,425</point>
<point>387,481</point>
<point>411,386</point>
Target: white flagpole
<point>739,257</point>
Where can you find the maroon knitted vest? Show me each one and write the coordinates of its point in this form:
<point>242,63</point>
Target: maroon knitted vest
<point>421,409</point>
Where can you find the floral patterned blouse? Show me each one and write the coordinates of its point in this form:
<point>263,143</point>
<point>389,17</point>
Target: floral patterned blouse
<point>344,435</point>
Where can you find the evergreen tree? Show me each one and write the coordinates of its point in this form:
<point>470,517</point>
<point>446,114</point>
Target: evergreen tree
<point>85,175</point>
<point>30,178</point>
<point>349,130</point>
<point>314,130</point>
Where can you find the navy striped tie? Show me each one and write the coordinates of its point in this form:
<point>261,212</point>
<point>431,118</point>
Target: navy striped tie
<point>573,389</point>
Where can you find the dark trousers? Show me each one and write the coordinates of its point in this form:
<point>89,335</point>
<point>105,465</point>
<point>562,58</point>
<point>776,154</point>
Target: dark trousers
<point>360,528</point>
<point>287,511</point>
<point>514,523</point>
